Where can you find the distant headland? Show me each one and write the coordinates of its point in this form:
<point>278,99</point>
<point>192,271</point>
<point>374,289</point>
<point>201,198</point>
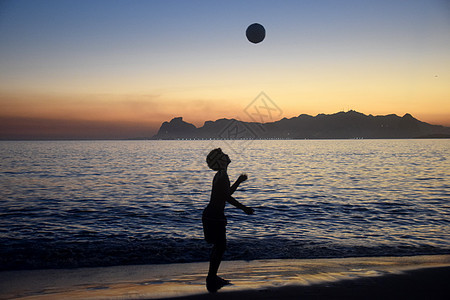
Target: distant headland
<point>341,125</point>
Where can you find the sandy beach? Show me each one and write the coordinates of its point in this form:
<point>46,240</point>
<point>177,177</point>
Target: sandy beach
<point>340,278</point>
<point>429,283</point>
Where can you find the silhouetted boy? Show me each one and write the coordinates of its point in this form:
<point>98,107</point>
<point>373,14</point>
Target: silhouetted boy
<point>214,220</point>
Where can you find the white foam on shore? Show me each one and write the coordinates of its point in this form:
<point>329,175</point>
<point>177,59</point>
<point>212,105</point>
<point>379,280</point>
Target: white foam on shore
<point>169,280</point>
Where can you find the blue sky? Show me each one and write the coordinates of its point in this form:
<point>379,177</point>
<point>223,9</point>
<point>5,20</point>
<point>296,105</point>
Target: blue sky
<point>318,56</point>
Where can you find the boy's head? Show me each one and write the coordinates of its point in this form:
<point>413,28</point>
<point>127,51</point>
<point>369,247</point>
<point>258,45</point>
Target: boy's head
<point>217,160</point>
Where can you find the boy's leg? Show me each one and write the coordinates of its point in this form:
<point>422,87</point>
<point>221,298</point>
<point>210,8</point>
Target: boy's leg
<point>214,282</point>
<point>216,257</point>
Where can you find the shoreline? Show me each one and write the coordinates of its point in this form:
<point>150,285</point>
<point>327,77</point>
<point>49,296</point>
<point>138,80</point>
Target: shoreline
<point>259,279</point>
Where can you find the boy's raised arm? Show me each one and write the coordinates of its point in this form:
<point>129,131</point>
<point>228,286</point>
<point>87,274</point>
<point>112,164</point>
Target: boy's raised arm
<point>235,185</point>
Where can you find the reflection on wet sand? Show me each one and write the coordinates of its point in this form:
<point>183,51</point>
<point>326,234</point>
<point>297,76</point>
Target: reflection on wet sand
<point>175,280</point>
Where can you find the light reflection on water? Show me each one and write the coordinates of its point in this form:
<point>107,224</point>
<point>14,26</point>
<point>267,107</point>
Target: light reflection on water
<point>348,193</point>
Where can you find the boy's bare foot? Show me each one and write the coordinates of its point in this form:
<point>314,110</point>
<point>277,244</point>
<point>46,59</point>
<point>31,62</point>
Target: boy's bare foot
<point>215,283</point>
<point>223,281</point>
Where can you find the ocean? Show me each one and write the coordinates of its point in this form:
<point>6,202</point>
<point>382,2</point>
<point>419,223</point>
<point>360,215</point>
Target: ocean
<point>66,204</point>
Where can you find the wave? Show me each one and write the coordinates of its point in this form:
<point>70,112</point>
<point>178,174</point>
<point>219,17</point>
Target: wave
<point>49,254</point>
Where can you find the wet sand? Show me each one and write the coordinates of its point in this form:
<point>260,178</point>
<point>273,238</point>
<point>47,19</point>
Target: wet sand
<point>430,283</point>
<point>414,277</point>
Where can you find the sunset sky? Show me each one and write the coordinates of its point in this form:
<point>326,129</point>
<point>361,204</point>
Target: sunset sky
<point>118,69</point>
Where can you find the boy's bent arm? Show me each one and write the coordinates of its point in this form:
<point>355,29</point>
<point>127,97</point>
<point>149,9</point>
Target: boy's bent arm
<point>235,185</point>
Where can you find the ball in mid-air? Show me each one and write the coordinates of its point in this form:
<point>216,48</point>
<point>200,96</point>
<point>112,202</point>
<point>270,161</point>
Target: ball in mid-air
<point>255,33</point>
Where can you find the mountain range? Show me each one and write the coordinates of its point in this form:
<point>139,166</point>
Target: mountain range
<point>341,125</point>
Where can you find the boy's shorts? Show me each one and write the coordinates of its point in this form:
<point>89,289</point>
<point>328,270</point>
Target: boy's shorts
<point>215,231</point>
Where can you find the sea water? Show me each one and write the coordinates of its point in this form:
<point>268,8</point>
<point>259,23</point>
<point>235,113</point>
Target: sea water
<point>99,203</point>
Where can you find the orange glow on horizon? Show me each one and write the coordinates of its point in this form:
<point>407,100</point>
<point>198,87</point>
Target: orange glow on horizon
<point>131,116</point>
